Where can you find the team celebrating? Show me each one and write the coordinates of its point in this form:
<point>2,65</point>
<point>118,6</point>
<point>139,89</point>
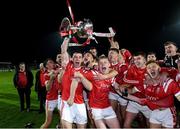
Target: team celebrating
<point>112,91</point>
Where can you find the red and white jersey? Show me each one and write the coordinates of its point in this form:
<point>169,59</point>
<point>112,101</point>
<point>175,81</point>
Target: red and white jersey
<point>126,55</point>
<point>66,83</point>
<point>52,94</point>
<point>121,68</point>
<point>99,95</point>
<point>171,71</point>
<point>162,96</point>
<point>135,77</point>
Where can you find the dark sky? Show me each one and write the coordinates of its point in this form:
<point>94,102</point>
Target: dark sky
<point>29,28</point>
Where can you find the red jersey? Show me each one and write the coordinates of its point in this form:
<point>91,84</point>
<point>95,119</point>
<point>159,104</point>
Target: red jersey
<point>22,82</point>
<point>99,95</point>
<point>135,77</point>
<point>52,94</point>
<point>66,83</point>
<point>121,68</point>
<point>126,55</point>
<point>162,96</point>
<point>171,71</point>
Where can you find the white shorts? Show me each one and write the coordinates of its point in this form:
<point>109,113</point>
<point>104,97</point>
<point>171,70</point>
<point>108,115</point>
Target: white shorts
<point>114,96</point>
<point>51,104</point>
<point>166,117</point>
<point>134,107</point>
<point>73,114</point>
<point>105,113</point>
<point>59,102</point>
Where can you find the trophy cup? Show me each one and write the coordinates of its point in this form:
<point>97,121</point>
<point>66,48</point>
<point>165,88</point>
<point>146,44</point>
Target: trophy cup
<point>80,29</point>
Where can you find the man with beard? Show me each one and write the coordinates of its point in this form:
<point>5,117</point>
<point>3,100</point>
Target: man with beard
<point>135,77</point>
<point>160,90</point>
<point>102,111</point>
<point>75,113</point>
<point>117,63</point>
<point>23,81</point>
<point>51,84</point>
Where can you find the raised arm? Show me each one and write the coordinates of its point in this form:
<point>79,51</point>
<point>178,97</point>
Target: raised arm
<point>114,44</point>
<point>65,55</point>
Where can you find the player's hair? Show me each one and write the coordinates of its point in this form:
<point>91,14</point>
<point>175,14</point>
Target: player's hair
<point>93,48</point>
<point>45,62</point>
<point>77,51</point>
<point>169,43</point>
<point>114,49</point>
<point>152,61</point>
<point>140,53</point>
<point>22,63</point>
<point>90,53</point>
<point>102,57</point>
<point>151,53</point>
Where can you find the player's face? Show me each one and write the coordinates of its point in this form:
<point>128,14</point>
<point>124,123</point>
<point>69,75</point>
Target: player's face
<point>139,61</point>
<point>113,56</point>
<point>88,58</point>
<point>22,67</point>
<point>94,52</point>
<point>77,59</point>
<point>153,70</point>
<point>50,65</point>
<point>151,57</point>
<point>104,65</point>
<point>58,58</point>
<point>170,49</point>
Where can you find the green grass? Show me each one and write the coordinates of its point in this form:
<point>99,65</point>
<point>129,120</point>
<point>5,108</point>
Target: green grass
<point>10,116</point>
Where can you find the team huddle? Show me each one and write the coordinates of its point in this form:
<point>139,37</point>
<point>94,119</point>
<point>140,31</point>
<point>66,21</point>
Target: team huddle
<point>111,91</point>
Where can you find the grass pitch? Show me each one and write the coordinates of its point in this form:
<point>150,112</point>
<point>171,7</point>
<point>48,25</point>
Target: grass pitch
<point>10,115</point>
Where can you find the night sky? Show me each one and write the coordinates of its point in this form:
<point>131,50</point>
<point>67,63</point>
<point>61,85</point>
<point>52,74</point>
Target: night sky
<point>29,28</point>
